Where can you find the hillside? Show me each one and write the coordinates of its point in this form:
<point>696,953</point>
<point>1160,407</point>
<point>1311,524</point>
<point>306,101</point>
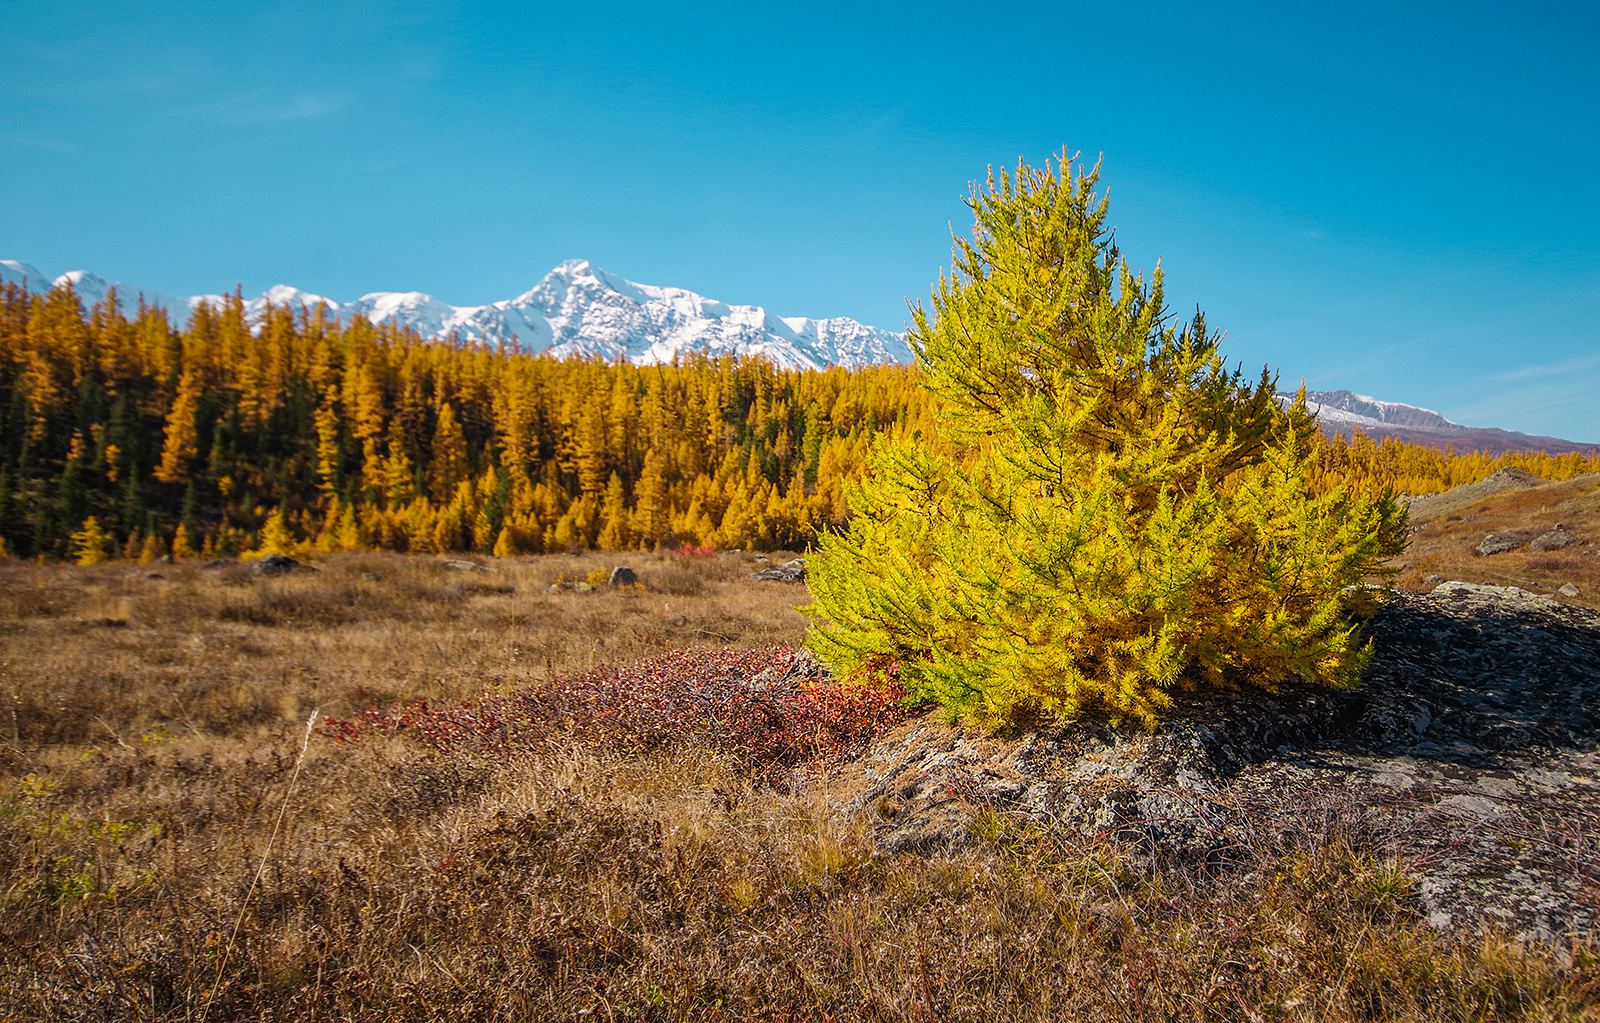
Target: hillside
<point>1515,516</point>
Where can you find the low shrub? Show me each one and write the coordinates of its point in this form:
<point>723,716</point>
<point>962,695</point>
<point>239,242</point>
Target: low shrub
<point>742,703</point>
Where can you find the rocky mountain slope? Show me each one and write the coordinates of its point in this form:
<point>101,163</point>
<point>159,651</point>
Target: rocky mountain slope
<point>577,309</point>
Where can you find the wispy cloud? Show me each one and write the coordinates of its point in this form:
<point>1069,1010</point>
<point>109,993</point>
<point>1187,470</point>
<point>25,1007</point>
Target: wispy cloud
<point>143,84</point>
<point>263,106</point>
<point>1575,368</point>
<point>43,145</point>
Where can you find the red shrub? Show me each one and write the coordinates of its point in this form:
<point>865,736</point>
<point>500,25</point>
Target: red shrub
<point>689,551</point>
<point>767,708</point>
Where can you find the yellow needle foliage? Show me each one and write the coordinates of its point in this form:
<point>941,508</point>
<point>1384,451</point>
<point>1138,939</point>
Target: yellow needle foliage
<point>1105,512</point>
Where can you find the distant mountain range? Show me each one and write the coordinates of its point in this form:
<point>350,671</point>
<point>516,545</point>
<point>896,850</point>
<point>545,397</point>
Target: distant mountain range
<point>577,309</point>
<point>1342,412</point>
<point>580,309</point>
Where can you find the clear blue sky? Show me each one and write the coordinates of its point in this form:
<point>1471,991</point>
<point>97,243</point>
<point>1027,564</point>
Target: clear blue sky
<point>1396,198</point>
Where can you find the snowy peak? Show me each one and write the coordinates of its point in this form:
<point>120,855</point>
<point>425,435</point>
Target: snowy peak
<point>1345,413</point>
<point>1385,413</point>
<point>576,309</point>
<point>23,275</point>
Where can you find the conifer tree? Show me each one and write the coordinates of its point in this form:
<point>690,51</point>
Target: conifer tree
<point>450,464</point>
<point>1108,513</point>
<point>89,543</point>
<point>178,449</point>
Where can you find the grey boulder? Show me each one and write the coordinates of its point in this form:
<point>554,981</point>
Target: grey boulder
<point>622,575</point>
<point>274,564</point>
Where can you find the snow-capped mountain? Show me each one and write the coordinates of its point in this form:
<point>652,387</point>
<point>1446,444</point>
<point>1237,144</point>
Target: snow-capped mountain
<point>1343,406</point>
<point>1342,412</point>
<point>577,309</point>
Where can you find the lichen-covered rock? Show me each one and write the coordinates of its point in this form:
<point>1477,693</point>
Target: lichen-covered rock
<point>1499,543</point>
<point>1554,540</point>
<point>464,566</point>
<point>1472,751</point>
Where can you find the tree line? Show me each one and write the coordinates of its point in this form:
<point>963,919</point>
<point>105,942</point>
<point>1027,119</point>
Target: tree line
<point>298,432</point>
<point>313,433</point>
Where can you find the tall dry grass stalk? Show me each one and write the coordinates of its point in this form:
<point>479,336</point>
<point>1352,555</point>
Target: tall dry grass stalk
<point>255,881</point>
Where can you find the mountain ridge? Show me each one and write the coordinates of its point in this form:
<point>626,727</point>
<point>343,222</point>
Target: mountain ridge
<point>1345,412</point>
<point>577,309</point>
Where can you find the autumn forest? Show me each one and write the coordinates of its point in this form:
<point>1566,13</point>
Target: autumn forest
<point>138,438</point>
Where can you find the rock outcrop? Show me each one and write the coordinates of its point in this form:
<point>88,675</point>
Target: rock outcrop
<point>275,564</point>
<point>1553,540</point>
<point>788,572</point>
<point>622,575</point>
<point>1470,752</point>
<point>1500,543</point>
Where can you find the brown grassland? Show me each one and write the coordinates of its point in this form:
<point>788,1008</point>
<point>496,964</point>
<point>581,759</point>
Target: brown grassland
<point>1443,541</point>
<point>175,844</point>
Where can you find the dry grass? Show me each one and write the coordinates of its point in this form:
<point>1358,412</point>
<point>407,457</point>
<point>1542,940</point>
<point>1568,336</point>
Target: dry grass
<point>166,855</point>
<point>1443,544</point>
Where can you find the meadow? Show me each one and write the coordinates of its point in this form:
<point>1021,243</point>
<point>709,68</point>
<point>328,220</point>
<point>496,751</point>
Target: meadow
<point>390,790</point>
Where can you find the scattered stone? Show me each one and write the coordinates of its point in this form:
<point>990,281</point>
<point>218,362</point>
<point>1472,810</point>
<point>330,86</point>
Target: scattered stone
<point>1499,543</point>
<point>155,575</point>
<point>788,572</point>
<point>218,563</point>
<point>555,588</point>
<point>275,564</point>
<point>370,577</point>
<point>1432,580</point>
<point>582,588</point>
<point>1554,540</point>
<point>464,566</point>
<point>1570,590</point>
<point>622,575</point>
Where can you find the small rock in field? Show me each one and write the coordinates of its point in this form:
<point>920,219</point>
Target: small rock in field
<point>1569,590</point>
<point>1554,540</point>
<point>788,572</point>
<point>464,566</point>
<point>370,577</point>
<point>622,575</point>
<point>274,564</point>
<point>155,575</point>
<point>555,588</point>
<point>1498,543</point>
<point>582,588</point>
<point>1432,580</point>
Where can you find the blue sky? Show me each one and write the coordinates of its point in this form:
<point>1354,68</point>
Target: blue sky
<point>1399,198</point>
